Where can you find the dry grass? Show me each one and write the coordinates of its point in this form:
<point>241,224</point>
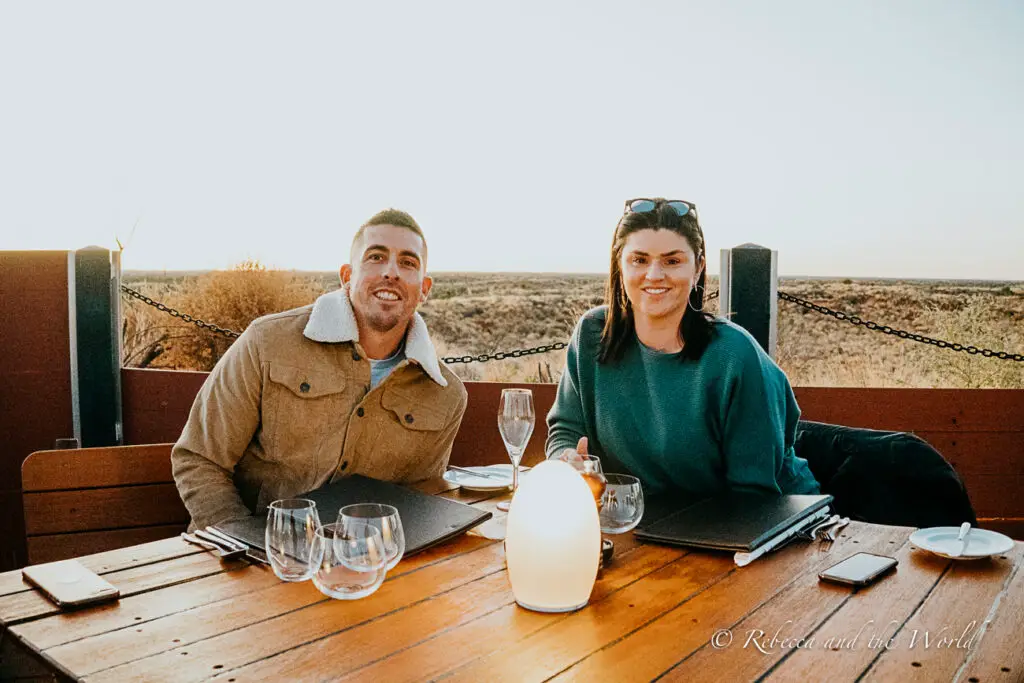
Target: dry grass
<point>816,350</point>
<point>474,313</point>
<point>230,299</point>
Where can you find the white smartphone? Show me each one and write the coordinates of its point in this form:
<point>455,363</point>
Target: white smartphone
<point>69,584</point>
<point>859,570</point>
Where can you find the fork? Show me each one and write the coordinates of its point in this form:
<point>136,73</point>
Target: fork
<point>813,532</point>
<point>818,531</point>
<point>829,536</point>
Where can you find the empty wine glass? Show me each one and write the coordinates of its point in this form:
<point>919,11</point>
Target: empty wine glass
<point>385,518</point>
<point>516,418</point>
<point>289,538</point>
<point>352,561</point>
<point>622,504</point>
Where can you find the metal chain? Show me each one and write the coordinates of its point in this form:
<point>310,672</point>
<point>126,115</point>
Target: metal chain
<point>518,353</point>
<point>502,355</point>
<point>177,314</point>
<point>557,346</point>
<point>902,334</point>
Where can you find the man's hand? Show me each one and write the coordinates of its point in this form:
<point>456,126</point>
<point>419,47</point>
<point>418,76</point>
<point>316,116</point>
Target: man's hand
<point>569,455</point>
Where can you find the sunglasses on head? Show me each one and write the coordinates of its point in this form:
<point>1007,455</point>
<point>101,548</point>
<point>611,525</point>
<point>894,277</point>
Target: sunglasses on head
<point>647,205</point>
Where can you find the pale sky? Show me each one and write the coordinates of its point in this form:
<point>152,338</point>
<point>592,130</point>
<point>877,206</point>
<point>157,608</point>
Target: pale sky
<point>866,138</point>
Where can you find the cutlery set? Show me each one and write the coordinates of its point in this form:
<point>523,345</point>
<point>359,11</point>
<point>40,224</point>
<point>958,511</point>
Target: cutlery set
<point>477,473</point>
<point>828,531</point>
<point>227,548</point>
<point>825,531</point>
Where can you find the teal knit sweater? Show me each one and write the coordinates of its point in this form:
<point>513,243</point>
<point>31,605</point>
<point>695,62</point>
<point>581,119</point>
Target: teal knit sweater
<point>726,421</point>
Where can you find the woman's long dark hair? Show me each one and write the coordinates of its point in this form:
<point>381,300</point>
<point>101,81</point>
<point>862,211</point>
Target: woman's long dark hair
<point>619,327</point>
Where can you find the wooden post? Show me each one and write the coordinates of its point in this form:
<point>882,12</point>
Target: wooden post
<point>95,350</point>
<point>748,292</point>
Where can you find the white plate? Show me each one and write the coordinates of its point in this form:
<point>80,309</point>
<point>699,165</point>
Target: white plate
<point>474,483</point>
<point>941,540</point>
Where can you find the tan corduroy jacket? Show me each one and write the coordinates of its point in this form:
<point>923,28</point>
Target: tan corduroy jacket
<point>289,408</point>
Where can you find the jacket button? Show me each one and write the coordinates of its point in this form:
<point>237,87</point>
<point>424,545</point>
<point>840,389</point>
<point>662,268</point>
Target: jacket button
<point>356,356</point>
<point>360,412</point>
<point>304,387</point>
<point>408,418</point>
<point>344,464</point>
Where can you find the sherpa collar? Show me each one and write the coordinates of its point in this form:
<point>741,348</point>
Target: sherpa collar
<point>333,320</point>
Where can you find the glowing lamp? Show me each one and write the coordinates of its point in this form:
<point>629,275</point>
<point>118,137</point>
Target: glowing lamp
<point>553,539</point>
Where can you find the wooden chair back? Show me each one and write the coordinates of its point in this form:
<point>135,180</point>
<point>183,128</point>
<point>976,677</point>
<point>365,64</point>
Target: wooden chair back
<point>89,500</point>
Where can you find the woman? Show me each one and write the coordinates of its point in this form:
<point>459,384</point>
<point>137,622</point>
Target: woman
<point>662,390</point>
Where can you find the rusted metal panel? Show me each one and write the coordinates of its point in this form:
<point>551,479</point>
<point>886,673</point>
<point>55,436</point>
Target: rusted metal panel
<point>35,375</point>
<point>916,410</point>
<point>479,442</point>
<point>155,403</point>
<point>981,431</point>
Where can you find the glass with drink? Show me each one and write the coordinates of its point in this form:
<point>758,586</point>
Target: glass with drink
<point>589,467</point>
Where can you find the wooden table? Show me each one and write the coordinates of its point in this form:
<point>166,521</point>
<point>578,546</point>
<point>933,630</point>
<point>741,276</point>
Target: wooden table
<point>449,613</point>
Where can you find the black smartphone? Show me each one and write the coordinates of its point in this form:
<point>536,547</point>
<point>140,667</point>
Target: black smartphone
<point>858,570</point>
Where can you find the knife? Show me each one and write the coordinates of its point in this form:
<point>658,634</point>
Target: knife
<point>476,473</point>
<point>965,529</point>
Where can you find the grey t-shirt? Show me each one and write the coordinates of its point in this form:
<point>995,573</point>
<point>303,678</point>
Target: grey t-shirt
<point>379,369</point>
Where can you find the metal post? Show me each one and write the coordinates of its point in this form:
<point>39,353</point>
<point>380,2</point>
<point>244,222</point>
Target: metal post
<point>748,292</point>
<point>117,341</point>
<point>96,351</point>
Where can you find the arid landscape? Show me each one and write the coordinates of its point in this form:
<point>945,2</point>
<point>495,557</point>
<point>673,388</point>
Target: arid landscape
<point>474,313</point>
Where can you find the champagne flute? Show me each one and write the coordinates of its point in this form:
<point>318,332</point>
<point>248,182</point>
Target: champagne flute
<point>516,418</point>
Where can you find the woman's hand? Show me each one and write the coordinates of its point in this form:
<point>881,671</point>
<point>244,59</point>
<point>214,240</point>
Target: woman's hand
<point>569,455</point>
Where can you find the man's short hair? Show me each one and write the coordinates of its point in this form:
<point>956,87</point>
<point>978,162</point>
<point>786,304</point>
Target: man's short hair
<point>394,217</point>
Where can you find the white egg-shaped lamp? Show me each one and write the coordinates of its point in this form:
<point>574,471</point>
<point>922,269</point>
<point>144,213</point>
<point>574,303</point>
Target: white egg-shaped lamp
<point>553,539</point>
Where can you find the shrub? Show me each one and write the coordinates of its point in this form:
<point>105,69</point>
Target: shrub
<point>230,299</point>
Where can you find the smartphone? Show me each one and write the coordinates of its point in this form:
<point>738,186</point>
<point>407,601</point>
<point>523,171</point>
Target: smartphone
<point>69,584</point>
<point>858,570</point>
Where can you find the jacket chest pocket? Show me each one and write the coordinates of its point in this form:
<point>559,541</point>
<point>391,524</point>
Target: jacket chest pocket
<point>302,407</point>
<point>411,435</point>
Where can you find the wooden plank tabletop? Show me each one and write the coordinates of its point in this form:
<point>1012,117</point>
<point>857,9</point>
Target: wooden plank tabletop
<point>656,612</point>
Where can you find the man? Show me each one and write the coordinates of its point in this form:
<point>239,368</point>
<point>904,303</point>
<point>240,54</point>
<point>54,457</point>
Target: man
<point>348,385</point>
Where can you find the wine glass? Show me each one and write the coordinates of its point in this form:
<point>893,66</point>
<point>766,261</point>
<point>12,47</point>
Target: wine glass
<point>516,418</point>
<point>351,560</point>
<point>622,505</point>
<point>289,538</point>
<point>383,517</point>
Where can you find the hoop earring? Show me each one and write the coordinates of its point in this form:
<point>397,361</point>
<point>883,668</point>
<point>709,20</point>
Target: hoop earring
<point>689,303</point>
